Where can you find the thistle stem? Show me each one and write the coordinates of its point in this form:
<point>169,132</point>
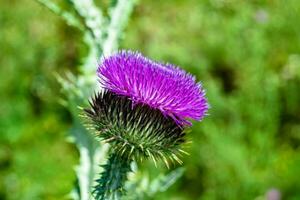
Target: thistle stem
<point>110,186</point>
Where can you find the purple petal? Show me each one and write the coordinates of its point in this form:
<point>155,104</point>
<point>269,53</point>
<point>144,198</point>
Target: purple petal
<point>161,86</point>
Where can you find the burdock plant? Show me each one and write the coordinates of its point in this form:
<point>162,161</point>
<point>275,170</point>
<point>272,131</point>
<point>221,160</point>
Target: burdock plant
<point>142,112</point>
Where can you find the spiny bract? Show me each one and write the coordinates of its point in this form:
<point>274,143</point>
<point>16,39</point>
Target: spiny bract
<point>135,131</point>
<point>162,86</point>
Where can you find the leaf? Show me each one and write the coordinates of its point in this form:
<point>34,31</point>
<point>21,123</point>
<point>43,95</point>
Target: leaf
<point>70,18</point>
<point>91,154</point>
<point>163,182</point>
<point>119,13</point>
<point>92,17</point>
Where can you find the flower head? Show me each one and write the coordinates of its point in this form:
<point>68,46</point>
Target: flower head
<point>134,132</point>
<point>160,86</point>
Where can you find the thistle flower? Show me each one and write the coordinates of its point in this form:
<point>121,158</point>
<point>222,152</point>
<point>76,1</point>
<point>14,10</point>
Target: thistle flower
<point>141,113</point>
<point>161,86</point>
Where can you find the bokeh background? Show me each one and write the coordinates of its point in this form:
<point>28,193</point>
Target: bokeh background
<point>246,54</point>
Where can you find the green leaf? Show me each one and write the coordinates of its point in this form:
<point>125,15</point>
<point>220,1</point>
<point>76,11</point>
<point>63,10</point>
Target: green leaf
<point>119,13</point>
<point>70,18</point>
<point>164,181</point>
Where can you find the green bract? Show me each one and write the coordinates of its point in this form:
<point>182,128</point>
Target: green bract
<point>135,131</point>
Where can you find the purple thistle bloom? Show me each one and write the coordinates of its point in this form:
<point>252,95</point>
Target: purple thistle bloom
<point>161,86</point>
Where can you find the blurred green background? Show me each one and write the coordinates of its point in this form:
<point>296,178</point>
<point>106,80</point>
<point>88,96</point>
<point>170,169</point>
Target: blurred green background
<point>246,54</point>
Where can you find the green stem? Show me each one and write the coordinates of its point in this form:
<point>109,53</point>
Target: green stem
<point>110,186</point>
